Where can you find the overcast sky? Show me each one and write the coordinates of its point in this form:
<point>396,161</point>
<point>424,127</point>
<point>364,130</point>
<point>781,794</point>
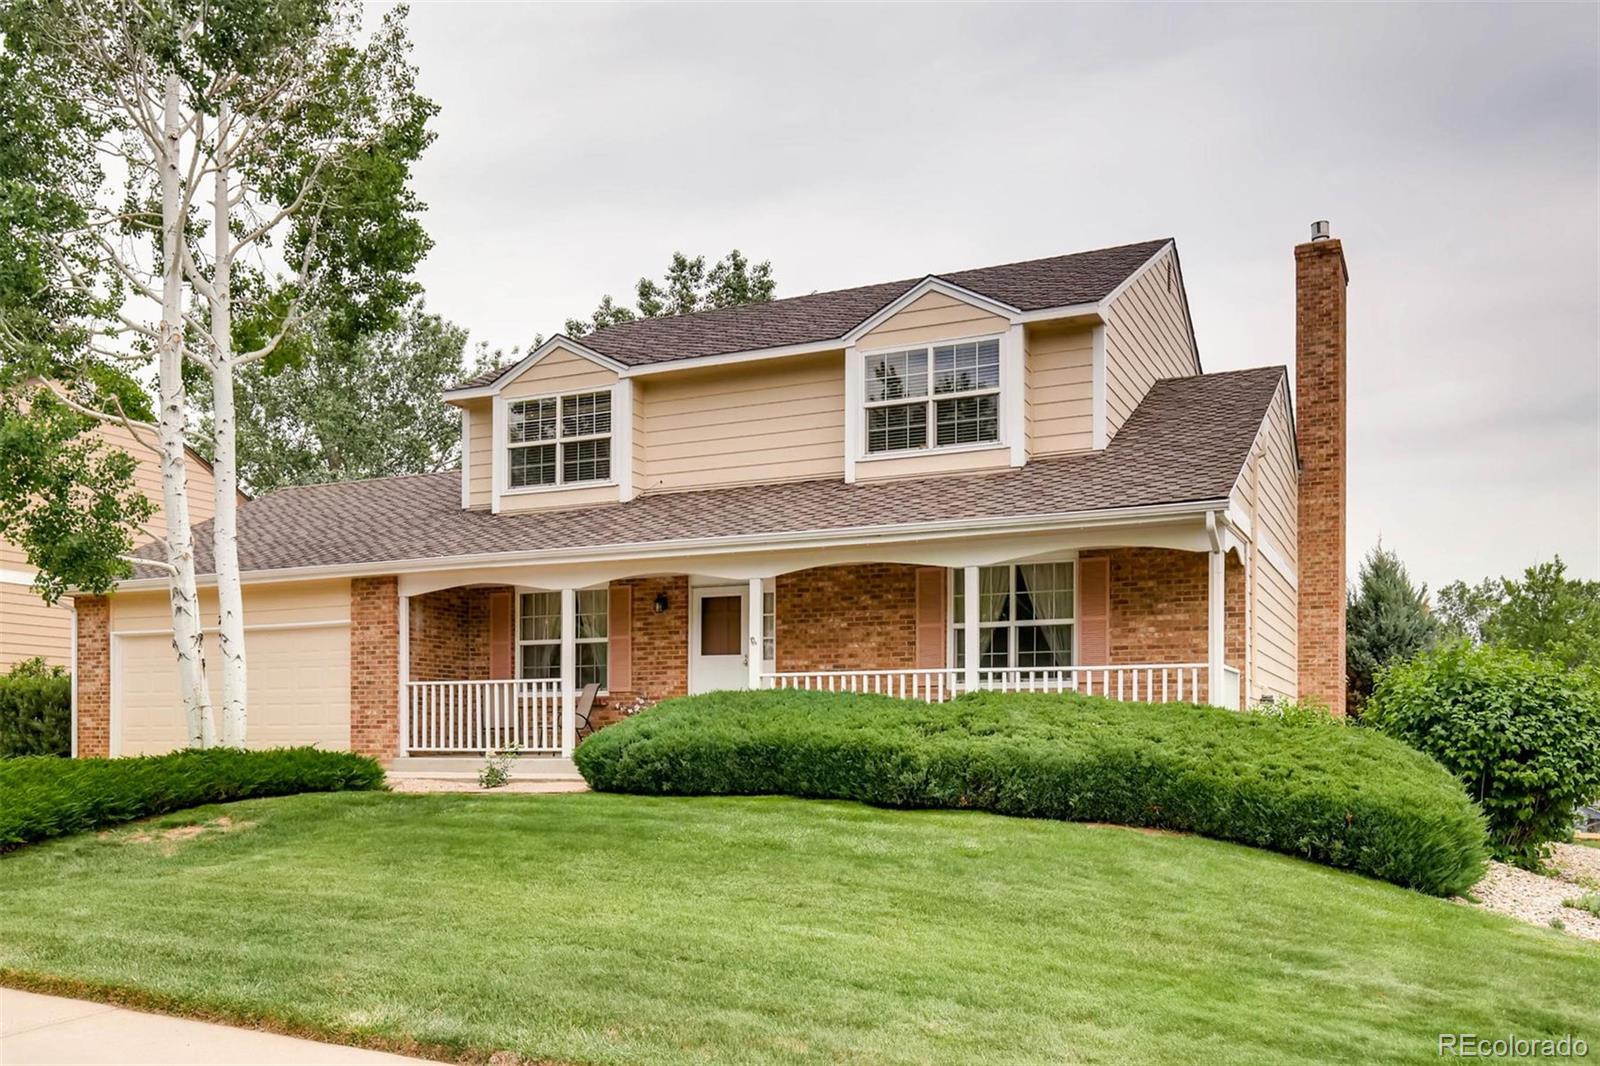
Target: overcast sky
<point>1454,149</point>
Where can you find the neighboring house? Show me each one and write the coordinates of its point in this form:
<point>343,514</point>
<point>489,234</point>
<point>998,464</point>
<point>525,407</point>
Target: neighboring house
<point>1016,477</point>
<point>30,627</point>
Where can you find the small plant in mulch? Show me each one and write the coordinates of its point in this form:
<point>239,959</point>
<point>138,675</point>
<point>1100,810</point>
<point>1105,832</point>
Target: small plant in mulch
<point>497,767</point>
<point>1589,902</point>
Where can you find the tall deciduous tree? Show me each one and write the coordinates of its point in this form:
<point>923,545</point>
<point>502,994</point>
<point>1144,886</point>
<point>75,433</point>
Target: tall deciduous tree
<point>1386,620</point>
<point>687,286</point>
<point>256,155</point>
<point>1544,612</point>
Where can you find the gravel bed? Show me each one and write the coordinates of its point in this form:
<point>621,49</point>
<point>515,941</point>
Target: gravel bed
<point>1537,899</point>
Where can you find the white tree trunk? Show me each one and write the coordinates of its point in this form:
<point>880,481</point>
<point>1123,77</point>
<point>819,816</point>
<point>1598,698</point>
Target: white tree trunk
<point>187,637</point>
<point>224,525</point>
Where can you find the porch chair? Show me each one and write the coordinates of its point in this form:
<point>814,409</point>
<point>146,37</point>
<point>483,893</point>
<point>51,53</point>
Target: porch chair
<point>584,706</point>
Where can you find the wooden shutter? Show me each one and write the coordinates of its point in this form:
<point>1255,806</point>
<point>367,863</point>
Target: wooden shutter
<point>502,633</point>
<point>619,639</point>
<point>1094,612</point>
<point>931,633</point>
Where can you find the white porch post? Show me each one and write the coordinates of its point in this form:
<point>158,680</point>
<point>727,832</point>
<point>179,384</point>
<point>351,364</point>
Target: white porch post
<point>1216,620</point>
<point>569,670</point>
<point>404,621</point>
<point>752,652</point>
<point>969,622</point>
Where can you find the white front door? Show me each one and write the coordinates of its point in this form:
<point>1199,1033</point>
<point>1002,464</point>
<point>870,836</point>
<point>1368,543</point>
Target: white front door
<point>718,624</point>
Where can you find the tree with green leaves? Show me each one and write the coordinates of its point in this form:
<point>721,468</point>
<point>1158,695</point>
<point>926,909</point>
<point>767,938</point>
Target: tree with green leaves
<point>255,155</point>
<point>1544,612</point>
<point>336,410</point>
<point>1386,620</point>
<point>687,286</point>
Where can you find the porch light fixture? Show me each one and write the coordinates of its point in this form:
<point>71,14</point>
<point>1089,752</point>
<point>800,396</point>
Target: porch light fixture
<point>661,603</point>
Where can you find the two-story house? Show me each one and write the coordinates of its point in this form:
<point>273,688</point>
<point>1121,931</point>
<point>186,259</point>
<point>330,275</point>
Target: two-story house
<point>1015,477</point>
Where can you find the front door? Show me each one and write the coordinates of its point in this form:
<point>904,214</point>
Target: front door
<point>717,634</point>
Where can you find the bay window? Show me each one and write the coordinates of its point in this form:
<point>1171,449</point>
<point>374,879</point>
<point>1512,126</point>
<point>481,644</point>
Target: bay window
<point>539,635</point>
<point>1025,615</point>
<point>939,396</point>
<point>558,440</point>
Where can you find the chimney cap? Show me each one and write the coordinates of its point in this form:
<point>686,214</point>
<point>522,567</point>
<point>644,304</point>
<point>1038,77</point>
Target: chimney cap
<point>1319,230</point>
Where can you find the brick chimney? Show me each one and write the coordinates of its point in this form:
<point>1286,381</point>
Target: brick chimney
<point>1320,278</point>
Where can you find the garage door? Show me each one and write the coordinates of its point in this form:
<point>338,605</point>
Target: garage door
<point>299,689</point>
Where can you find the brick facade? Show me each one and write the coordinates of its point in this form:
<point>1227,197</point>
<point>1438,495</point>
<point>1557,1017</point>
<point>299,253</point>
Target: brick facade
<point>1320,396</point>
<point>449,638</point>
<point>660,643</point>
<point>375,667</point>
<point>94,676</point>
<point>848,618</point>
<point>1159,607</point>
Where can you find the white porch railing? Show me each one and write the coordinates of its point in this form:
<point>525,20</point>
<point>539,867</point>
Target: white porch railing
<point>1151,682</point>
<point>484,716</point>
<point>935,686</point>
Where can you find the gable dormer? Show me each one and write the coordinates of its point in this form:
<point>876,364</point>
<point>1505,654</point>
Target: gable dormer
<point>553,430</point>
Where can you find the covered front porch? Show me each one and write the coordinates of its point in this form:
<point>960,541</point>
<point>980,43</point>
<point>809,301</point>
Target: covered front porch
<point>532,657</point>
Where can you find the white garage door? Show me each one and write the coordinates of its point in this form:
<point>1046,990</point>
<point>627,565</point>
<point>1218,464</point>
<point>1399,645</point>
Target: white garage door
<point>299,690</point>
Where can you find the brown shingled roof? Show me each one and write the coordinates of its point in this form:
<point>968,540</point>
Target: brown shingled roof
<point>1060,281</point>
<point>1186,442</point>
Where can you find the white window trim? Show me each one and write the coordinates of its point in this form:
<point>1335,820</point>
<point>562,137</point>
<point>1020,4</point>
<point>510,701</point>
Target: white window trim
<point>1008,407</point>
<point>954,625</point>
<point>503,446</point>
<point>558,641</point>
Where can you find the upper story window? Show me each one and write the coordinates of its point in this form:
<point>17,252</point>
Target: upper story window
<point>559,440</point>
<point>938,396</point>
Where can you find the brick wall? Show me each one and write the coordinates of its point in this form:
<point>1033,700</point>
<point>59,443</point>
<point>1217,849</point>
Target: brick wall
<point>94,676</point>
<point>660,643</point>
<point>860,617</point>
<point>1159,606</point>
<point>450,635</point>
<point>374,667</point>
<point>1320,397</point>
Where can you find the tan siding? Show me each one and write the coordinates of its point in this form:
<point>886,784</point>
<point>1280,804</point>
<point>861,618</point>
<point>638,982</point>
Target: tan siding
<point>1275,651</point>
<point>933,464</point>
<point>480,468</point>
<point>932,317</point>
<point>1266,492</point>
<point>1280,482</point>
<point>30,627</point>
<point>778,420</point>
<point>1060,390</point>
<point>557,499</point>
<point>1147,338</point>
<point>560,371</point>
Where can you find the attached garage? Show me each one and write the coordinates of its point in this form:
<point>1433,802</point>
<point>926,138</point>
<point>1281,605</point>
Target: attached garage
<point>297,644</point>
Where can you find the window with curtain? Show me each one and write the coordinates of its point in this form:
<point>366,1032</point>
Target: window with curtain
<point>558,440</point>
<point>1025,615</point>
<point>939,396</point>
<point>539,635</point>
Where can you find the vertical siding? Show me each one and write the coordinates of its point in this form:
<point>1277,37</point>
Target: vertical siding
<point>1060,389</point>
<point>1147,338</point>
<point>932,317</point>
<point>777,420</point>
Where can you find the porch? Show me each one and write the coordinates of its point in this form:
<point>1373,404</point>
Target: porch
<point>492,665</point>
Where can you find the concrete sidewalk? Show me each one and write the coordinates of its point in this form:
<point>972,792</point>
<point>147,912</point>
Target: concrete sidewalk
<point>40,1030</point>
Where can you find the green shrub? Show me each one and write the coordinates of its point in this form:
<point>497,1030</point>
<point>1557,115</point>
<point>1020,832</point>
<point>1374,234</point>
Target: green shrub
<point>47,797</point>
<point>35,710</point>
<point>1344,797</point>
<point>1522,734</point>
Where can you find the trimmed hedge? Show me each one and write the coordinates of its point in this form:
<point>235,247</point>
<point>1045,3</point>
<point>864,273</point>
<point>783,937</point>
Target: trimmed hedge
<point>1339,796</point>
<point>46,797</point>
<point>35,710</point>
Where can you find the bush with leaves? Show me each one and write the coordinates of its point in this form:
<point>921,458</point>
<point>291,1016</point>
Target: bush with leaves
<point>42,798</point>
<point>1343,797</point>
<point>35,710</point>
<point>1522,733</point>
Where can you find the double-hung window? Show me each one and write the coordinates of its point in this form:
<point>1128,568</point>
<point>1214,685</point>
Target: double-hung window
<point>939,396</point>
<point>558,440</point>
<point>1025,615</point>
<point>539,635</point>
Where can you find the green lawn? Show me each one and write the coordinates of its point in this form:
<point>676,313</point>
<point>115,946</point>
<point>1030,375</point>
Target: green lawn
<point>624,929</point>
